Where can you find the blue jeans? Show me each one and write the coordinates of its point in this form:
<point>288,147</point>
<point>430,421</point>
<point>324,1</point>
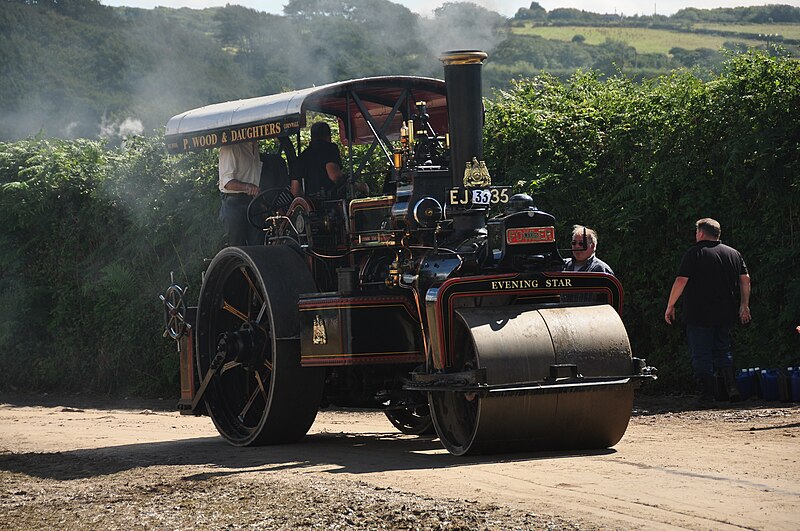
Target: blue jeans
<point>710,348</point>
<point>233,214</point>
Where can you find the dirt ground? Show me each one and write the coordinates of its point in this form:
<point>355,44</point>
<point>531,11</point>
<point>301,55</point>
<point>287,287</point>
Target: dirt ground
<point>73,463</point>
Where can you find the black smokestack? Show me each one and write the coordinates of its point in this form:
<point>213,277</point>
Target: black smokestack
<point>462,74</point>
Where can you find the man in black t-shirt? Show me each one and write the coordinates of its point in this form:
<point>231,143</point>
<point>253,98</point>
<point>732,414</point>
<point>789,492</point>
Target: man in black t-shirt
<point>716,284</point>
<point>320,165</point>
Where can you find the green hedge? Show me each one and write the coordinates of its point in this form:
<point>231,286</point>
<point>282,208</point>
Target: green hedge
<point>642,162</point>
<point>90,235</point>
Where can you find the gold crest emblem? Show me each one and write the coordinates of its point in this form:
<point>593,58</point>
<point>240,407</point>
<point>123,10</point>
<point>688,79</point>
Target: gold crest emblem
<point>476,174</point>
<point>320,337</point>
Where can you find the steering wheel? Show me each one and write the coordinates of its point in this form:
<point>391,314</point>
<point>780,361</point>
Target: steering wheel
<point>174,312</point>
<point>267,203</point>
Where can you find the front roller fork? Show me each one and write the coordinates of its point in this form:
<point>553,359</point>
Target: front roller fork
<point>179,320</point>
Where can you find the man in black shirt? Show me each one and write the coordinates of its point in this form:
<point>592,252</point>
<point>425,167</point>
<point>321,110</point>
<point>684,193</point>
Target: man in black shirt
<point>274,173</point>
<point>320,165</point>
<point>716,283</point>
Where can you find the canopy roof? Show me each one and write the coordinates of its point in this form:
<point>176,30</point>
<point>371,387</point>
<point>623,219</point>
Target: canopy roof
<point>363,107</point>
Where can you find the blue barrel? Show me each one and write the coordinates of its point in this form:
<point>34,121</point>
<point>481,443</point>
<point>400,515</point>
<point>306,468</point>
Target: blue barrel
<point>785,385</point>
<point>745,382</point>
<point>769,384</point>
<point>794,380</point>
<point>756,381</point>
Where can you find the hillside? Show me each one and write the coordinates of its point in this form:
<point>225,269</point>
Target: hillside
<point>76,68</point>
<point>643,39</point>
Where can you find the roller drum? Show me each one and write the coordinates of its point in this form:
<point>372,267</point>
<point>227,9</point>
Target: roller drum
<point>518,344</point>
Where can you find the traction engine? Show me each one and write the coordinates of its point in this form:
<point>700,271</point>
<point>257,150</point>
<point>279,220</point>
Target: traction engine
<point>441,302</point>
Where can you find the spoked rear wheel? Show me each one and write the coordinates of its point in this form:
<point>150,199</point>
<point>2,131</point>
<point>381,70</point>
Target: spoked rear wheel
<point>247,317</point>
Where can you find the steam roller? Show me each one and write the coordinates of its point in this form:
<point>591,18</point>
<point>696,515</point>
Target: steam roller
<point>441,301</point>
<point>531,396</point>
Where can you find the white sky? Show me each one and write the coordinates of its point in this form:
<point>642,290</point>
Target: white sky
<point>506,7</point>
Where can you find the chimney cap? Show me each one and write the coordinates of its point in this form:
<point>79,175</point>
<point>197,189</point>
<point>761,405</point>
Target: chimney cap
<point>463,57</point>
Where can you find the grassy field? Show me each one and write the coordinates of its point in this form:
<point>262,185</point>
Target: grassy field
<point>788,31</point>
<point>643,39</point>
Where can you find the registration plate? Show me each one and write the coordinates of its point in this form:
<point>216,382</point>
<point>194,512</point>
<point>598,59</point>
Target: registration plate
<point>524,235</point>
<point>494,195</point>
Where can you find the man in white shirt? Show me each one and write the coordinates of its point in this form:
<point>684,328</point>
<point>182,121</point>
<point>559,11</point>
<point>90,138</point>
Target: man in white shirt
<point>239,176</point>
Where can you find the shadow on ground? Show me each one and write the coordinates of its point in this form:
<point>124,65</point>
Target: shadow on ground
<point>334,453</point>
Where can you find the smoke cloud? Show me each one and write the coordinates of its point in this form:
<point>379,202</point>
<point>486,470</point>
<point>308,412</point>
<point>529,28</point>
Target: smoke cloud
<point>462,26</point>
<point>121,130</point>
<point>157,64</point>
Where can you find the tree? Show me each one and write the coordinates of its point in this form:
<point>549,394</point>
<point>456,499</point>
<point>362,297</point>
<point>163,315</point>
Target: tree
<point>537,12</point>
<point>534,12</point>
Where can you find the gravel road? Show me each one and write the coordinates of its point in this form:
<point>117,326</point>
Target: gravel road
<point>76,463</point>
